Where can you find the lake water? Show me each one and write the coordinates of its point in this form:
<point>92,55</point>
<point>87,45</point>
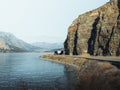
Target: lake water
<point>26,71</point>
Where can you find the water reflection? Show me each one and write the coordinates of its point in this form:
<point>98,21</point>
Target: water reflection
<point>25,71</point>
<point>72,78</point>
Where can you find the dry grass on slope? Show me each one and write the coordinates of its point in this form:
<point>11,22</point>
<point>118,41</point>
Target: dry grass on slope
<point>99,76</point>
<point>93,75</point>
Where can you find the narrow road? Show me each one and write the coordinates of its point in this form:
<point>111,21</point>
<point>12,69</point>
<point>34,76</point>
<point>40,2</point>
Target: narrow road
<point>113,60</point>
<point>100,58</point>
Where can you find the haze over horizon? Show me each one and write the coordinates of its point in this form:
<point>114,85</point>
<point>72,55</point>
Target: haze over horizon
<point>42,20</point>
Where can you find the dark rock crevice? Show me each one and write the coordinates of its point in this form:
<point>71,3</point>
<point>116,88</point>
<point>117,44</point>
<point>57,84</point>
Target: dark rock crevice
<point>105,48</point>
<point>75,41</point>
<point>118,50</point>
<point>66,49</point>
<point>75,44</point>
<point>91,41</point>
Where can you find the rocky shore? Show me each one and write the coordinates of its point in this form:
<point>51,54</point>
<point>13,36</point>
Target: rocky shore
<point>91,74</point>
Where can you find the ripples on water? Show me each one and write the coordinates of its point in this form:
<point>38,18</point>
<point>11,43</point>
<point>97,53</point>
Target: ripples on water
<point>26,71</point>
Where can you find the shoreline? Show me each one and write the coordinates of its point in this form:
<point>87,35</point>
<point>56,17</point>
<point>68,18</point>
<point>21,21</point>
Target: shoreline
<point>57,61</point>
<point>65,59</point>
<point>92,75</point>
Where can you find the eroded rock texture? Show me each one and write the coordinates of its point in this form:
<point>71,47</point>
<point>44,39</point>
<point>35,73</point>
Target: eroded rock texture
<point>96,32</point>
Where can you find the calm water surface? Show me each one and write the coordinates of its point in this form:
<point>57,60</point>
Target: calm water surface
<point>26,71</point>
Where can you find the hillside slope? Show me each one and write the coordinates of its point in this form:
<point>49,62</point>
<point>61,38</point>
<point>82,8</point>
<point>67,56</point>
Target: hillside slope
<point>48,46</point>
<point>9,43</point>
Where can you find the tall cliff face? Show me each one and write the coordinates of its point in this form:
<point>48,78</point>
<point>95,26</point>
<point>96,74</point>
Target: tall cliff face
<point>96,32</point>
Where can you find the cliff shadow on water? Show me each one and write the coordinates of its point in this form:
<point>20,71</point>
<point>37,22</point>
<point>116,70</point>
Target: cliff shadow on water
<point>72,78</point>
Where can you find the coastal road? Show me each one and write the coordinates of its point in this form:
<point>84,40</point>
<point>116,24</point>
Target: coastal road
<point>113,60</point>
<point>100,58</point>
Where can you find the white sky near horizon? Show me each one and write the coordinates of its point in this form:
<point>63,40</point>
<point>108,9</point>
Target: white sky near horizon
<point>42,20</point>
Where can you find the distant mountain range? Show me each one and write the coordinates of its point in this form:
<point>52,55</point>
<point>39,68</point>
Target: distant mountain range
<point>48,46</point>
<point>10,43</point>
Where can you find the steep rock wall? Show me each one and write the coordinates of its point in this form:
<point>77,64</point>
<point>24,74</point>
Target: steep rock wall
<point>96,32</point>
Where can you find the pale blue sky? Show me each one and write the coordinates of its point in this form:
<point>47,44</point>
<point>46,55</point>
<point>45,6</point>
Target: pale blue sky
<point>42,20</point>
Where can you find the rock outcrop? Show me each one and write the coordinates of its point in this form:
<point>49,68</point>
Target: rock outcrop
<point>3,46</point>
<point>96,32</point>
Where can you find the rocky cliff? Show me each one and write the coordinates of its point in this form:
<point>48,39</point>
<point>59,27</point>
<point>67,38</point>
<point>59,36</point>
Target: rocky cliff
<point>96,32</point>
